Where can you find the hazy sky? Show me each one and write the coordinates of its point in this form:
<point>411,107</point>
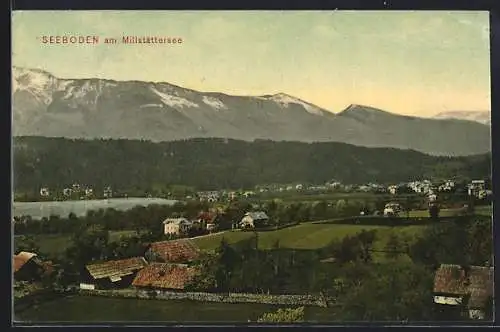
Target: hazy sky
<point>416,63</point>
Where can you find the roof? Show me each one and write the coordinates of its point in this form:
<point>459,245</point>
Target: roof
<point>478,283</point>
<point>117,268</point>
<point>176,221</point>
<point>176,251</point>
<point>257,215</point>
<point>22,258</point>
<point>207,216</point>
<point>164,275</point>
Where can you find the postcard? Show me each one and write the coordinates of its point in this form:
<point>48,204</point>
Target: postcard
<point>251,167</point>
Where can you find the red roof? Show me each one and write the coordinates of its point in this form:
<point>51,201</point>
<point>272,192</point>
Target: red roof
<point>478,282</point>
<point>176,251</point>
<point>164,275</point>
<point>206,216</point>
<point>20,259</point>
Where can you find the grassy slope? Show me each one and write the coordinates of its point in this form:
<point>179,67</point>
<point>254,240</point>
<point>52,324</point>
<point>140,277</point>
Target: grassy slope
<point>307,235</point>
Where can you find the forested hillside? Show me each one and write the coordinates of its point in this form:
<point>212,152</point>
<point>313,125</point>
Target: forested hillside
<point>222,163</point>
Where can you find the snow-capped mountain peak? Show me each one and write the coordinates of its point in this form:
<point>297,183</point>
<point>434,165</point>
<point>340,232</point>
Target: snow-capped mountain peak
<point>483,117</point>
<point>39,83</point>
<point>284,100</point>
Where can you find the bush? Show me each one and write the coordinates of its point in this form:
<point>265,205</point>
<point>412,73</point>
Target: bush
<point>287,315</point>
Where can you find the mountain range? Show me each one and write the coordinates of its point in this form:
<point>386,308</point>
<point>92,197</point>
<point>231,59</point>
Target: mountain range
<point>483,117</point>
<point>44,105</point>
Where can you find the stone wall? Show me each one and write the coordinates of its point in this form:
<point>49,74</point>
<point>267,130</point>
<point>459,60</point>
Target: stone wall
<point>303,300</point>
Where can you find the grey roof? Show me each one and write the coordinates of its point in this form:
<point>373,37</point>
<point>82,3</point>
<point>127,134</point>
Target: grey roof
<point>257,215</point>
<point>116,269</point>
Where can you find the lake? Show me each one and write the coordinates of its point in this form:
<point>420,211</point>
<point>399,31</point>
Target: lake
<point>80,208</point>
<point>87,309</point>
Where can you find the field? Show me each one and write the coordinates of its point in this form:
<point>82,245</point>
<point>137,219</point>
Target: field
<point>307,235</point>
<point>100,309</point>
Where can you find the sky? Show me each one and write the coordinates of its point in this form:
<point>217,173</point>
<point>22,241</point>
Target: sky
<point>415,63</point>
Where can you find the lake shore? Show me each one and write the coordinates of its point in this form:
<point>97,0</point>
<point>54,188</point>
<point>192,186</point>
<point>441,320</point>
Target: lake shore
<point>80,207</point>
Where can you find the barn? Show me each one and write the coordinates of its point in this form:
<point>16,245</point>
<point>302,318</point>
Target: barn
<point>112,274</point>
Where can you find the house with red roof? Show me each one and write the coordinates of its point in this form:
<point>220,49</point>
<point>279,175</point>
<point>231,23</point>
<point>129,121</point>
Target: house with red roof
<point>164,276</point>
<point>468,290</point>
<point>173,251</point>
<point>27,266</point>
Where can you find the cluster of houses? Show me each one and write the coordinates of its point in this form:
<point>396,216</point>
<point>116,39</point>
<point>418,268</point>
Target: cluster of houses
<point>166,265</point>
<point>76,189</point>
<point>208,221</point>
<point>425,187</point>
<point>169,266</point>
<point>218,196</point>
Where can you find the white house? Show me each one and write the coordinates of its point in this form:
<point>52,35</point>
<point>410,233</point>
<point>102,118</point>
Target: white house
<point>393,189</point>
<point>44,192</point>
<point>108,193</point>
<point>89,191</point>
<point>67,191</point>
<point>250,219</point>
<point>476,186</point>
<point>392,209</point>
<point>176,226</point>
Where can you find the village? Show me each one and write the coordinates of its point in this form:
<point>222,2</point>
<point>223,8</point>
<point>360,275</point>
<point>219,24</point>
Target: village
<point>479,188</point>
<point>166,269</point>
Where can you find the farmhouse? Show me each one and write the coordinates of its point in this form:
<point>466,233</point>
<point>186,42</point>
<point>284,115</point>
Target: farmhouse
<point>205,220</point>
<point>27,266</point>
<point>44,192</point>
<point>176,251</point>
<point>392,209</point>
<point>111,274</point>
<point>254,219</point>
<point>477,188</point>
<point>209,196</point>
<point>176,226</point>
<point>393,189</point>
<point>164,276</point>
<point>108,193</point>
<point>468,290</point>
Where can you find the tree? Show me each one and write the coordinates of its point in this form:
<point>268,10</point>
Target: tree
<point>393,247</point>
<point>226,263</point>
<point>434,212</point>
<point>25,243</point>
<point>366,240</point>
<point>288,315</point>
<point>389,292</point>
<point>348,250</point>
